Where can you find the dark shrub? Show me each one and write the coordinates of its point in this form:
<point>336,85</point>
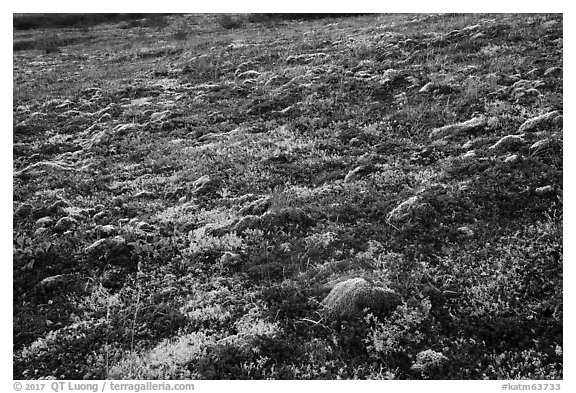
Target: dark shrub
<point>230,22</point>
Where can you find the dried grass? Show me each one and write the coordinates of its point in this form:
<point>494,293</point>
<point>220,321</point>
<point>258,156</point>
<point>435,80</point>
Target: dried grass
<point>348,299</point>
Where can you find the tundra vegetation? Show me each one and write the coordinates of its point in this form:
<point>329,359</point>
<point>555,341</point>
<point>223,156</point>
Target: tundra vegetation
<point>260,197</point>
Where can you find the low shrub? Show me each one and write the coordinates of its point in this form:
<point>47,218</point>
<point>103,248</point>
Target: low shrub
<point>23,45</point>
<point>228,21</point>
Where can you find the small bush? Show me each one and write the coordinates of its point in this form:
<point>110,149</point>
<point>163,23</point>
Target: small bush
<point>230,22</point>
<point>23,45</point>
<point>156,20</point>
<point>50,45</point>
<point>181,32</point>
<point>260,18</point>
<point>429,363</point>
<point>130,24</point>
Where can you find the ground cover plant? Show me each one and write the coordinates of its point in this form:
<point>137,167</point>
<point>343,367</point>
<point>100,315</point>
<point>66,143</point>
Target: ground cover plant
<point>250,197</point>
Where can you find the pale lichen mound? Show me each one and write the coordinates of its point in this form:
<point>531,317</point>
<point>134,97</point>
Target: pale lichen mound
<point>553,118</point>
<point>464,128</point>
<point>348,299</point>
<point>405,210</point>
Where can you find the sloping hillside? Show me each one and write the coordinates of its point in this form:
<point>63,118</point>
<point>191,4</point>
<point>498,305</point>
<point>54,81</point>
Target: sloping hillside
<point>376,196</point>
